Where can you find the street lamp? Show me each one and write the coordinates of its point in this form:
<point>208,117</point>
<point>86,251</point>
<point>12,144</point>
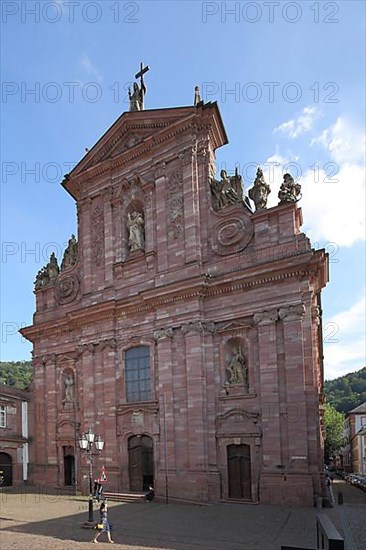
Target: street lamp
<point>86,442</point>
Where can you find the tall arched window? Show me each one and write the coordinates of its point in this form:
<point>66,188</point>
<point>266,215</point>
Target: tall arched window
<point>137,374</point>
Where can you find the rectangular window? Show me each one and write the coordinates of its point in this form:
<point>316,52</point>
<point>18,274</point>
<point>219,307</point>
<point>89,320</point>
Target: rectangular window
<point>137,374</point>
<point>363,421</point>
<point>2,416</point>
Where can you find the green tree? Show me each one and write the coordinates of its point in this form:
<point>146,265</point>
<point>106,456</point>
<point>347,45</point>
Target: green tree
<point>334,426</point>
<point>16,373</point>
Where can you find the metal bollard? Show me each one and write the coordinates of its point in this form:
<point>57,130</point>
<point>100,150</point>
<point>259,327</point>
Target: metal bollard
<point>340,497</point>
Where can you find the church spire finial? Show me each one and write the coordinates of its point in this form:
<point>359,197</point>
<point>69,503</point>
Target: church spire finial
<point>197,95</point>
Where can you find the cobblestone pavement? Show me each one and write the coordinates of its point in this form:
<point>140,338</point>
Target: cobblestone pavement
<point>350,517</point>
<point>39,520</point>
<point>49,522</point>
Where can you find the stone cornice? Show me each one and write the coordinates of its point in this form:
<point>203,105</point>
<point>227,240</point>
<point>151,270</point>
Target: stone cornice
<point>201,288</point>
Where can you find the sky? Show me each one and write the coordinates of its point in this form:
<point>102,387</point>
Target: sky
<point>288,78</point>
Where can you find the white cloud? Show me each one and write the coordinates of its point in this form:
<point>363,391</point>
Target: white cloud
<point>344,141</point>
<point>333,192</point>
<point>90,67</point>
<point>302,123</point>
<point>344,341</point>
<point>334,204</point>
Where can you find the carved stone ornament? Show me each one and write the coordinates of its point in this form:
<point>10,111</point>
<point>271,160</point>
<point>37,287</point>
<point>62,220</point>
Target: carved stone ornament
<point>265,317</point>
<point>186,156</point>
<point>109,343</point>
<point>292,313</point>
<point>67,289</point>
<point>231,235</point>
<point>175,204</point>
<point>316,315</point>
<point>163,333</point>
<point>198,326</point>
<point>160,170</point>
<point>203,151</point>
<point>87,348</point>
<point>97,227</point>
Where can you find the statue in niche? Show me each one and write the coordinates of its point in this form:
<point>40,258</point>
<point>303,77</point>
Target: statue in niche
<point>227,191</point>
<point>69,388</point>
<point>70,254</point>
<point>289,190</point>
<point>135,224</point>
<point>236,369</point>
<point>260,191</point>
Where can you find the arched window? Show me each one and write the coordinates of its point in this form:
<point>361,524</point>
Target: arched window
<point>137,374</point>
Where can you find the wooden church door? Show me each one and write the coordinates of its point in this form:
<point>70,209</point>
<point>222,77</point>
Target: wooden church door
<point>239,471</point>
<point>141,463</point>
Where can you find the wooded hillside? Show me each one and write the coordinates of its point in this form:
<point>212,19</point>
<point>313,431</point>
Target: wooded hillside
<point>346,392</point>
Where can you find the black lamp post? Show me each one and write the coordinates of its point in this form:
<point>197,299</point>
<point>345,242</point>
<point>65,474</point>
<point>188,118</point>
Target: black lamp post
<point>86,442</point>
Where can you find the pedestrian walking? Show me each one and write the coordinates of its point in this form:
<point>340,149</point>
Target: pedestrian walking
<point>104,524</point>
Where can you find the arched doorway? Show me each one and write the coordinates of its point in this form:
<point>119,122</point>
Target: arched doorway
<point>69,466</point>
<point>140,462</point>
<point>6,470</point>
<point>239,471</point>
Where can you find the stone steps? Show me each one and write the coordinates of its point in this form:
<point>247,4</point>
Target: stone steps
<point>126,496</point>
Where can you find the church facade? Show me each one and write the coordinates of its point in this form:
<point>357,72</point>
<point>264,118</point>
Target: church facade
<point>183,327</point>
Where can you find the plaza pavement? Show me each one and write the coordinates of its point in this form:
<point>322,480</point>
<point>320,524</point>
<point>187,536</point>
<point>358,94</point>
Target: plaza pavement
<point>39,520</point>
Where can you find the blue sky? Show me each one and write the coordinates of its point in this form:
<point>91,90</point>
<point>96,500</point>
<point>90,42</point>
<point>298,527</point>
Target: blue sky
<point>288,78</point>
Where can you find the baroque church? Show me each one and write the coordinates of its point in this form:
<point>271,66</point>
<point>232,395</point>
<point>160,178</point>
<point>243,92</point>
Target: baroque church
<point>183,325</point>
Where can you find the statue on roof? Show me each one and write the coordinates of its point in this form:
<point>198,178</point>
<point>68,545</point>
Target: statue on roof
<point>260,191</point>
<point>137,96</point>
<point>289,190</point>
<point>227,191</point>
<point>48,273</point>
<point>70,254</point>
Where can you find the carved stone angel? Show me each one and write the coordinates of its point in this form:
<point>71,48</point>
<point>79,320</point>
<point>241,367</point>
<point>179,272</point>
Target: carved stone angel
<point>227,191</point>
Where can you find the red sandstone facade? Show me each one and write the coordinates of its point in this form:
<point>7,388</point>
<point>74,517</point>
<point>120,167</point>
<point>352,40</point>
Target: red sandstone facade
<point>205,284</point>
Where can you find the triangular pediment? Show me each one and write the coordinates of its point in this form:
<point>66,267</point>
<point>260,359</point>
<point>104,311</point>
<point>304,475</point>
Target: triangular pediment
<point>139,132</point>
<point>130,130</point>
